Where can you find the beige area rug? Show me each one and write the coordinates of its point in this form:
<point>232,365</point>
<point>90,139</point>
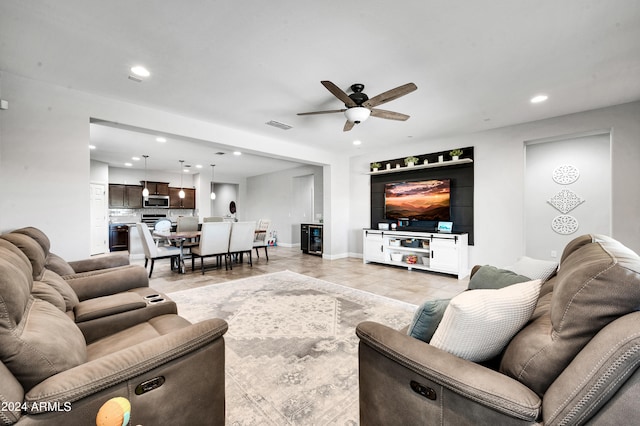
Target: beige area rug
<point>291,348</point>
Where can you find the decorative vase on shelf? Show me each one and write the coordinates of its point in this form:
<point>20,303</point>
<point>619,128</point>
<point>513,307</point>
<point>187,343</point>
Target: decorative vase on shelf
<point>455,158</point>
<point>426,161</point>
<point>375,169</point>
<point>440,158</point>
<point>410,164</point>
<point>388,166</point>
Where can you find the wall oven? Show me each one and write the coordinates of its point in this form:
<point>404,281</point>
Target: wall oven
<point>156,202</point>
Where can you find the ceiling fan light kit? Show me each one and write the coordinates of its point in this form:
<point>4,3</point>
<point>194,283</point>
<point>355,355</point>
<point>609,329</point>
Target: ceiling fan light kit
<point>357,114</point>
<point>359,106</point>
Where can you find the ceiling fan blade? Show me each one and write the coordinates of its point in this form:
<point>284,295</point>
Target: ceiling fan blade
<point>389,115</point>
<point>338,93</point>
<point>348,126</point>
<point>322,112</point>
<point>390,95</point>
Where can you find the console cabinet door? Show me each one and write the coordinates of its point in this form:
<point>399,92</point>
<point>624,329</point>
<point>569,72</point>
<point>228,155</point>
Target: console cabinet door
<point>373,248</point>
<point>444,255</point>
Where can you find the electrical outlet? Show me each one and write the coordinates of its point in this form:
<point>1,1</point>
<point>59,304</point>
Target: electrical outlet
<point>554,254</point>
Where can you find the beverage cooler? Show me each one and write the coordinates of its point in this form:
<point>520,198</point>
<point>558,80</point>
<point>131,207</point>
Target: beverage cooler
<point>311,238</point>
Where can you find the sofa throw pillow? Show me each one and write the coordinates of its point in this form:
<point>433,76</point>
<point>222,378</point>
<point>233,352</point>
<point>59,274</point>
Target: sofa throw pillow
<point>427,318</point>
<point>534,268</point>
<point>478,324</point>
<point>490,277</point>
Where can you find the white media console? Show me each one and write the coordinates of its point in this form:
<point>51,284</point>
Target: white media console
<point>428,251</point>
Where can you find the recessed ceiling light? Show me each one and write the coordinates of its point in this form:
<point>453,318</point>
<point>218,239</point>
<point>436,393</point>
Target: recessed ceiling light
<point>135,158</point>
<point>92,147</point>
<point>140,71</point>
<point>237,153</point>
<point>357,142</point>
<point>198,166</point>
<point>539,98</point>
<point>161,139</point>
<point>128,164</point>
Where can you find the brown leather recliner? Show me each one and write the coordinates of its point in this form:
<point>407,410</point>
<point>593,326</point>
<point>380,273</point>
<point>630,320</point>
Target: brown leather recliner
<point>575,362</point>
<point>171,371</point>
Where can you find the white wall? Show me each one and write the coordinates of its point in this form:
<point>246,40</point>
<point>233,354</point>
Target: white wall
<point>499,163</point>
<point>591,156</point>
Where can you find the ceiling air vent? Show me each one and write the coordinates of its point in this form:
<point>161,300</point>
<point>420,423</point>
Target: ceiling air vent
<point>219,153</point>
<point>278,125</point>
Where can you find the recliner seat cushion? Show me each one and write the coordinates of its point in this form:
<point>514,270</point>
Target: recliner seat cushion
<point>36,339</point>
<point>596,284</point>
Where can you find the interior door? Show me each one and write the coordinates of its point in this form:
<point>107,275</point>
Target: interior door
<point>98,212</point>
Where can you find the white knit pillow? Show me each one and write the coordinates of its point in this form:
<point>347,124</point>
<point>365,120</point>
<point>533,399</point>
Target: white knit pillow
<point>478,324</point>
<point>533,268</point>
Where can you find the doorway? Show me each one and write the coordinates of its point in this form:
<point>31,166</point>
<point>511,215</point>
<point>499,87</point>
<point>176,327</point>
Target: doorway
<point>98,213</point>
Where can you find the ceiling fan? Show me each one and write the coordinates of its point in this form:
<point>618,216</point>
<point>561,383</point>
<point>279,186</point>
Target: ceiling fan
<point>359,106</point>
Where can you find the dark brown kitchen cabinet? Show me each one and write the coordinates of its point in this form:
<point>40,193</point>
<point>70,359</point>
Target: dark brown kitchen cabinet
<point>188,202</point>
<point>157,188</point>
<point>125,196</point>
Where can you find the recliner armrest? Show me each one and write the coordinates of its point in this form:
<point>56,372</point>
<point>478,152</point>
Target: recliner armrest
<point>111,260</point>
<point>105,372</point>
<point>88,285</point>
<point>473,382</point>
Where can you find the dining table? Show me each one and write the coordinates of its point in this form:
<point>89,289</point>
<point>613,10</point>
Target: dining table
<point>179,238</point>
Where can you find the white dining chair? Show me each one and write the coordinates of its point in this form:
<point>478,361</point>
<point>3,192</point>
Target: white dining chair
<point>213,219</point>
<point>187,224</point>
<point>241,241</point>
<point>153,252</point>
<point>214,241</point>
<point>260,239</point>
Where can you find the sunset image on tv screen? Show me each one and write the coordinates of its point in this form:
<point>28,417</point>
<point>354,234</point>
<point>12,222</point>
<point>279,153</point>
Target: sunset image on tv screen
<point>426,200</point>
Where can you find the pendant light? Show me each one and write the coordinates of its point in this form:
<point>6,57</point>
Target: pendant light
<point>145,191</point>
<point>213,194</point>
<point>181,193</point>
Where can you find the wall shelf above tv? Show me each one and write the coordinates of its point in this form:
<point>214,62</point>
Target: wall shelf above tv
<point>421,166</point>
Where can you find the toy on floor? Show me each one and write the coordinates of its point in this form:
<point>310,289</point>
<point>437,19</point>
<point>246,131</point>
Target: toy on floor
<point>114,412</point>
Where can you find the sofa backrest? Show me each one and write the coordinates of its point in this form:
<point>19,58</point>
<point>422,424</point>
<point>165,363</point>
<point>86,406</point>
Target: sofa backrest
<point>597,282</point>
<point>31,248</point>
<point>40,237</point>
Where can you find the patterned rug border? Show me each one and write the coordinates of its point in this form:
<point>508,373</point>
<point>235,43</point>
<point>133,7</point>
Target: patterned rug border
<point>338,287</point>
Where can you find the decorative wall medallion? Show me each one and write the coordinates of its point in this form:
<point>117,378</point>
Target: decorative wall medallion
<point>566,174</point>
<point>564,224</point>
<point>565,201</point>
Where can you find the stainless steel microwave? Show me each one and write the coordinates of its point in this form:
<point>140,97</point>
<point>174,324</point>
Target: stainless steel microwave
<point>156,202</point>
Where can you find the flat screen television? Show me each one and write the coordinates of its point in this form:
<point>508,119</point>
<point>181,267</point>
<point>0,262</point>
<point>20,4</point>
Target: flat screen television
<point>423,200</point>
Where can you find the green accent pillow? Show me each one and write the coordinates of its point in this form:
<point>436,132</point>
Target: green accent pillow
<point>426,319</point>
<point>490,277</point>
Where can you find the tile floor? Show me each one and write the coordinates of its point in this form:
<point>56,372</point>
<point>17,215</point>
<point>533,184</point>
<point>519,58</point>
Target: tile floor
<point>397,283</point>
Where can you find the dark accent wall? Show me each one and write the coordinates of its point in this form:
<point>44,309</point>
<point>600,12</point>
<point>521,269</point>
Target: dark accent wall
<point>461,176</point>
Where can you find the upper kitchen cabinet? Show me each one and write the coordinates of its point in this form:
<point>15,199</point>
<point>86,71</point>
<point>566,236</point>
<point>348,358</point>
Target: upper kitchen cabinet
<point>125,196</point>
<point>188,202</point>
<point>157,188</point>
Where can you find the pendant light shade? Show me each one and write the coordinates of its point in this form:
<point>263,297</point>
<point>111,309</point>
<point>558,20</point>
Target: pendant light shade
<point>181,193</point>
<point>145,191</point>
<point>213,194</point>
